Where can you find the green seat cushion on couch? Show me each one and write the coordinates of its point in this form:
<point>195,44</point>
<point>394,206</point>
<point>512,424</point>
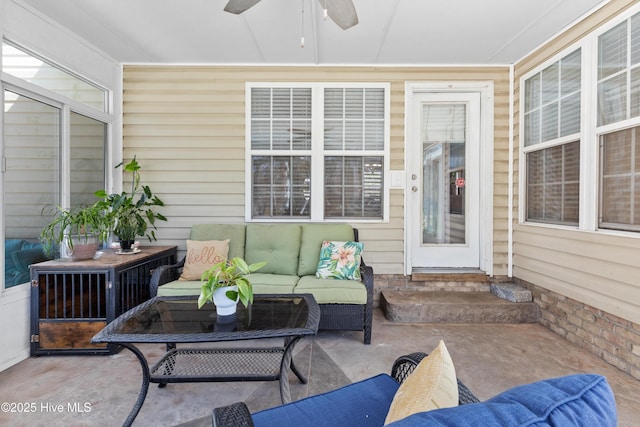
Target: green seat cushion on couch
<point>277,244</point>
<point>312,237</point>
<point>266,283</point>
<point>331,291</point>
<point>179,288</point>
<point>234,232</point>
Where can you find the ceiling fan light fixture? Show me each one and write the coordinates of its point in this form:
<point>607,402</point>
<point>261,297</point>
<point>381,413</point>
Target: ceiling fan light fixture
<point>342,12</point>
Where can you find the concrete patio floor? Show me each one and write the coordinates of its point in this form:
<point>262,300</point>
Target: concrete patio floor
<point>489,358</point>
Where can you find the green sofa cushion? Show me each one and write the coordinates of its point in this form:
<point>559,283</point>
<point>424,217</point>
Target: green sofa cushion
<point>234,232</point>
<point>331,291</point>
<point>265,283</point>
<point>277,244</point>
<point>312,237</point>
<point>179,288</point>
<point>262,284</point>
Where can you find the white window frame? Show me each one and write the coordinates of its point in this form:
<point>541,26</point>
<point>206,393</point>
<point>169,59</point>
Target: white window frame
<point>66,106</point>
<point>589,134</point>
<point>599,131</point>
<point>562,140</point>
<point>317,150</point>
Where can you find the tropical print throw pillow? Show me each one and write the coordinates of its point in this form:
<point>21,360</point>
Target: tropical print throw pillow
<point>340,260</point>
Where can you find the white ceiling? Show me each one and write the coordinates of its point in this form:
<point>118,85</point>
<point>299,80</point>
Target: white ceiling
<point>390,32</point>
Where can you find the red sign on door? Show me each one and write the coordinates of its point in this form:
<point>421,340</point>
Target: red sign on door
<point>459,182</point>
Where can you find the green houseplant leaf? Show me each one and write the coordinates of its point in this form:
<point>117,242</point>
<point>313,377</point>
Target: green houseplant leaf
<point>231,272</point>
<point>134,211</point>
<point>82,221</point>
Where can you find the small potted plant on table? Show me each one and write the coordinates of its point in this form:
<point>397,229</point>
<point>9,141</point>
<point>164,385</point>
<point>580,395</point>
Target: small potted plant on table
<point>225,283</point>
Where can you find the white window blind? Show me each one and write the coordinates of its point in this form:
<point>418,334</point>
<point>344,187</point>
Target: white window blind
<point>551,114</point>
<point>618,107</point>
<point>619,72</point>
<point>620,180</point>
<point>317,152</point>
<point>552,101</point>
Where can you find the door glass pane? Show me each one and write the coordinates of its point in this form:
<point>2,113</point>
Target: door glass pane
<point>31,181</point>
<point>29,67</point>
<point>88,138</point>
<point>444,133</point>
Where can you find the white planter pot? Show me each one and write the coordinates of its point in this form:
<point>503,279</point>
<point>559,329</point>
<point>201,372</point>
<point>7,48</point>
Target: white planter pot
<point>225,306</point>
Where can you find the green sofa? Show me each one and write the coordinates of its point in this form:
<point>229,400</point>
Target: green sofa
<point>292,252</point>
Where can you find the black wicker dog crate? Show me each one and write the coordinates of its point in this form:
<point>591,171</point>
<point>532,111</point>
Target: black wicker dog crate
<point>72,301</point>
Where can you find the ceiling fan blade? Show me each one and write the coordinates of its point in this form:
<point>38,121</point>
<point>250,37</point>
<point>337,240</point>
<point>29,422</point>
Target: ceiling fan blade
<point>239,6</point>
<point>342,12</point>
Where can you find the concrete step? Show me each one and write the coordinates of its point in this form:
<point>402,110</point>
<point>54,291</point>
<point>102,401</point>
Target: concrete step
<point>454,307</point>
<point>511,292</point>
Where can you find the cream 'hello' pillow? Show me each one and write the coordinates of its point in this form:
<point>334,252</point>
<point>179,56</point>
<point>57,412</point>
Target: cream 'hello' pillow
<point>431,385</point>
<point>201,255</point>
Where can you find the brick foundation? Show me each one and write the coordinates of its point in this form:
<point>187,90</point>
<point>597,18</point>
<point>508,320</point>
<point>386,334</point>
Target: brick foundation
<point>614,340</point>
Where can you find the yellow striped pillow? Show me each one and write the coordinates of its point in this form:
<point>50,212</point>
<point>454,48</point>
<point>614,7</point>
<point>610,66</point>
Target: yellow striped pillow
<point>431,385</point>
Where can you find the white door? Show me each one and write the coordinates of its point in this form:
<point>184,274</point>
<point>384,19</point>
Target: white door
<point>443,180</point>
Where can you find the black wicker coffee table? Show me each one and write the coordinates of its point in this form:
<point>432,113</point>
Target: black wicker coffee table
<point>177,320</point>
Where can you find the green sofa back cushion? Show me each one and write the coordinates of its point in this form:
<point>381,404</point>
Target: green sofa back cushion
<point>234,232</point>
<point>277,244</point>
<point>312,237</point>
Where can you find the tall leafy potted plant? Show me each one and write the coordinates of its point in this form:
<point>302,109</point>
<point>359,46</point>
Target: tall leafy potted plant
<point>225,283</point>
<point>133,212</point>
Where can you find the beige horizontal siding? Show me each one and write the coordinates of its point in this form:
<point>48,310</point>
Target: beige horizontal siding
<point>186,125</point>
<point>597,269</point>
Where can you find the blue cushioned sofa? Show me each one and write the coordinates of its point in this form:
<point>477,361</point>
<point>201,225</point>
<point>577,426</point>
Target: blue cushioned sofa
<point>578,400</point>
<point>19,254</point>
<point>292,252</point>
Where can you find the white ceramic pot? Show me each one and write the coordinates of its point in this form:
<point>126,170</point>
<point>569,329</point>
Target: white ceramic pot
<point>225,306</point>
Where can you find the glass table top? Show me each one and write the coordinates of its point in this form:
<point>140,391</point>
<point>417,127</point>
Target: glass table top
<point>178,319</point>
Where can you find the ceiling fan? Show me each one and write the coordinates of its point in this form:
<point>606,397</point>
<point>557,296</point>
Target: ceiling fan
<point>342,12</point>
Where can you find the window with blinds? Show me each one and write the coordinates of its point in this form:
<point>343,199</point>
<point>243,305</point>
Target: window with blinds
<point>552,114</point>
<point>620,180</point>
<point>619,72</point>
<point>619,111</point>
<point>317,151</point>
<point>553,181</point>
<point>552,101</point>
